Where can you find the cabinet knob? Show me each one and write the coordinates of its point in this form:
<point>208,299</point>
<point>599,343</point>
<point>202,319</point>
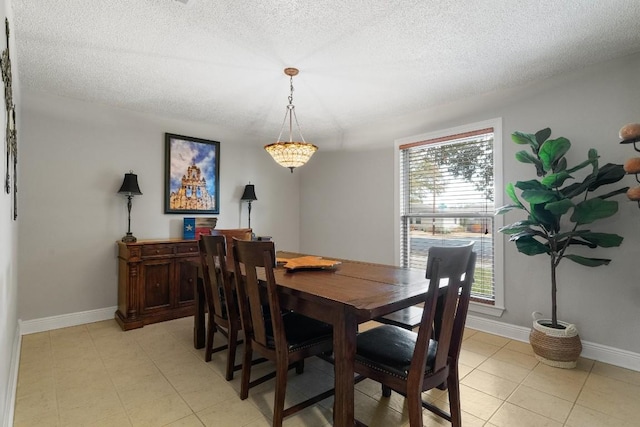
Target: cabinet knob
<point>157,251</point>
<point>157,285</point>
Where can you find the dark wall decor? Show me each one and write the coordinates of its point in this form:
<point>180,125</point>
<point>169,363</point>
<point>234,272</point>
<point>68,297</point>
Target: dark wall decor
<point>192,175</point>
<point>11,134</point>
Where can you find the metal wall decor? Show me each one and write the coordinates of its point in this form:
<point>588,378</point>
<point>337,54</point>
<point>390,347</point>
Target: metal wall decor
<point>11,133</point>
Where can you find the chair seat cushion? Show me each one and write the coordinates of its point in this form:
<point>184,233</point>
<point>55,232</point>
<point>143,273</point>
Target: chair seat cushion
<point>390,348</point>
<point>300,331</point>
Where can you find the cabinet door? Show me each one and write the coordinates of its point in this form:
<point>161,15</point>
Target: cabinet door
<point>156,279</point>
<point>187,275</point>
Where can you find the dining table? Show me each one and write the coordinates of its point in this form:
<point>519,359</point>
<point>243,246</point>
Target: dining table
<point>344,295</point>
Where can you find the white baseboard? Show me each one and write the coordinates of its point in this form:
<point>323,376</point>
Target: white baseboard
<point>66,320</point>
<point>10,401</point>
<point>601,353</point>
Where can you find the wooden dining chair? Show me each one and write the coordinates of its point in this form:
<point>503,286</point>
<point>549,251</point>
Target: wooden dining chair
<point>224,316</point>
<point>286,338</point>
<point>410,362</point>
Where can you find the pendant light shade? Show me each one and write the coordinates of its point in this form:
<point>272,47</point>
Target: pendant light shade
<point>291,154</point>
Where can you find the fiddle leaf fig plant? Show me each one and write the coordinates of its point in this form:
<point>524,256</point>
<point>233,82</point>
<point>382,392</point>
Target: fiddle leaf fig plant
<point>558,210</point>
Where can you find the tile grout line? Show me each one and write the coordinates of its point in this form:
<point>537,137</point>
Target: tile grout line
<point>124,408</point>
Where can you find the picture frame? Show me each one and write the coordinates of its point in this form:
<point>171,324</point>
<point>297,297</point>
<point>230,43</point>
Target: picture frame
<point>192,175</point>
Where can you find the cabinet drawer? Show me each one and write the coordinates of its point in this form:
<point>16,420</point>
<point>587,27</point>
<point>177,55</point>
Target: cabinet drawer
<point>156,250</point>
<point>187,248</point>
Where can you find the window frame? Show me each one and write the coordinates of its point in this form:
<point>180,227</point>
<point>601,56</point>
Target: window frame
<point>497,308</point>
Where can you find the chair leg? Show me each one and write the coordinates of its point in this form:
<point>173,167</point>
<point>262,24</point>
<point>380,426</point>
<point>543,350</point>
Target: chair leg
<point>281,388</point>
<point>211,330</point>
<point>300,367</point>
<point>246,370</point>
<point>386,391</point>
<point>231,354</point>
<point>414,401</point>
<point>454,397</point>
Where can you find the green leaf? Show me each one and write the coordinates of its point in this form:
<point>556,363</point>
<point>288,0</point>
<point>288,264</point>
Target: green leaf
<point>535,197</point>
<point>545,218</point>
<point>511,192</point>
<point>518,227</point>
<point>561,165</point>
<point>555,180</point>
<point>589,262</point>
<point>532,184</point>
<point>614,193</point>
<point>560,207</point>
<point>582,165</point>
<point>552,151</point>
<point>605,240</point>
<point>525,138</point>
<point>507,208</point>
<point>575,189</point>
<point>572,241</point>
<point>530,246</point>
<point>525,157</point>
<point>543,135</point>
<point>608,174</point>
<point>594,209</point>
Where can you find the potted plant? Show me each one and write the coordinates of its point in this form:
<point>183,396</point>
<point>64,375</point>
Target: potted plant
<point>559,213</point>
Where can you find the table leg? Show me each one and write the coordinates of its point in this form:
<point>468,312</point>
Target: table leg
<point>198,317</point>
<point>344,349</point>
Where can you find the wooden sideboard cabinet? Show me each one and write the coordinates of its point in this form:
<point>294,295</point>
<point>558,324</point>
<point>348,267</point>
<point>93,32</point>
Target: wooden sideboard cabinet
<point>156,281</point>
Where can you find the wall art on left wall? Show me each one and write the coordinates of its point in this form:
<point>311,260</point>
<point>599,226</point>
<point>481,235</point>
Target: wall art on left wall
<point>11,139</point>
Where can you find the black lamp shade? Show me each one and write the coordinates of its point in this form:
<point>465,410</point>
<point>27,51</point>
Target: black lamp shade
<point>249,193</point>
<point>130,185</point>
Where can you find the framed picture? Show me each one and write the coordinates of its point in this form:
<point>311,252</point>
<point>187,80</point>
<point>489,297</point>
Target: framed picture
<point>192,175</point>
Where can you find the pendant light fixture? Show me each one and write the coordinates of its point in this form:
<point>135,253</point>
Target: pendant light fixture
<point>291,154</point>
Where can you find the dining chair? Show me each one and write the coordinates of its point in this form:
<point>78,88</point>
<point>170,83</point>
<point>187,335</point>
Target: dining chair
<point>412,362</point>
<point>286,338</point>
<point>220,298</point>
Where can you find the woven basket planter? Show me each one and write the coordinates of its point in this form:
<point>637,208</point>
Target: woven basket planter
<point>560,348</point>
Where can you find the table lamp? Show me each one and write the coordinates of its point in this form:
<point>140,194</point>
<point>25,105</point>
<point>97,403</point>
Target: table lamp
<point>249,195</point>
<point>129,188</point>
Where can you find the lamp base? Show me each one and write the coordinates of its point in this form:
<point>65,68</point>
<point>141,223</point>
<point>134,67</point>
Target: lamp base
<point>129,238</point>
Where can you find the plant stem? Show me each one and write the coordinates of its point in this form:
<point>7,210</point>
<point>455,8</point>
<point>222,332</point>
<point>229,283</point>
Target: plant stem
<point>554,312</point>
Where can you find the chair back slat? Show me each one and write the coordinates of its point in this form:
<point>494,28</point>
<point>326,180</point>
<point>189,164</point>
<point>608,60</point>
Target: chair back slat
<point>419,359</point>
<point>230,234</point>
<point>256,256</point>
<point>215,275</point>
<point>462,309</point>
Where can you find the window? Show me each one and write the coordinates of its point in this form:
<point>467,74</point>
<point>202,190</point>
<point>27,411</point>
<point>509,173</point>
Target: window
<point>447,196</point>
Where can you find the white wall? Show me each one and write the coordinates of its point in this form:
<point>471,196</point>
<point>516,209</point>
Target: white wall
<point>73,158</point>
<point>345,213</point>
<point>348,198</point>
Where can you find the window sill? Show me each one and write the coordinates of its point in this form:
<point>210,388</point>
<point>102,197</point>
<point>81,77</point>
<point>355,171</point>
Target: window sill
<point>491,310</point>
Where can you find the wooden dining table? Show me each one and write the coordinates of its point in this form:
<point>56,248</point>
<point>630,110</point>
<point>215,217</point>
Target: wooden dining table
<point>344,296</point>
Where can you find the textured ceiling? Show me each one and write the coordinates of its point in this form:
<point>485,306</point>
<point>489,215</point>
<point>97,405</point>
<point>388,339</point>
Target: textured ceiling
<point>222,61</point>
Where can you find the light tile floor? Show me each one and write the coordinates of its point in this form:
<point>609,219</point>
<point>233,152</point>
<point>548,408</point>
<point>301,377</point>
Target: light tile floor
<point>97,375</point>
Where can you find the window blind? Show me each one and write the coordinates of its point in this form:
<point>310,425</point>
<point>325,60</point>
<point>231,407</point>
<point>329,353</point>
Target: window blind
<point>447,191</point>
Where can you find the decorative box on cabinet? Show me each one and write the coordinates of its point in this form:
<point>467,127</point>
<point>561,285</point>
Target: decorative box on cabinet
<point>156,281</point>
